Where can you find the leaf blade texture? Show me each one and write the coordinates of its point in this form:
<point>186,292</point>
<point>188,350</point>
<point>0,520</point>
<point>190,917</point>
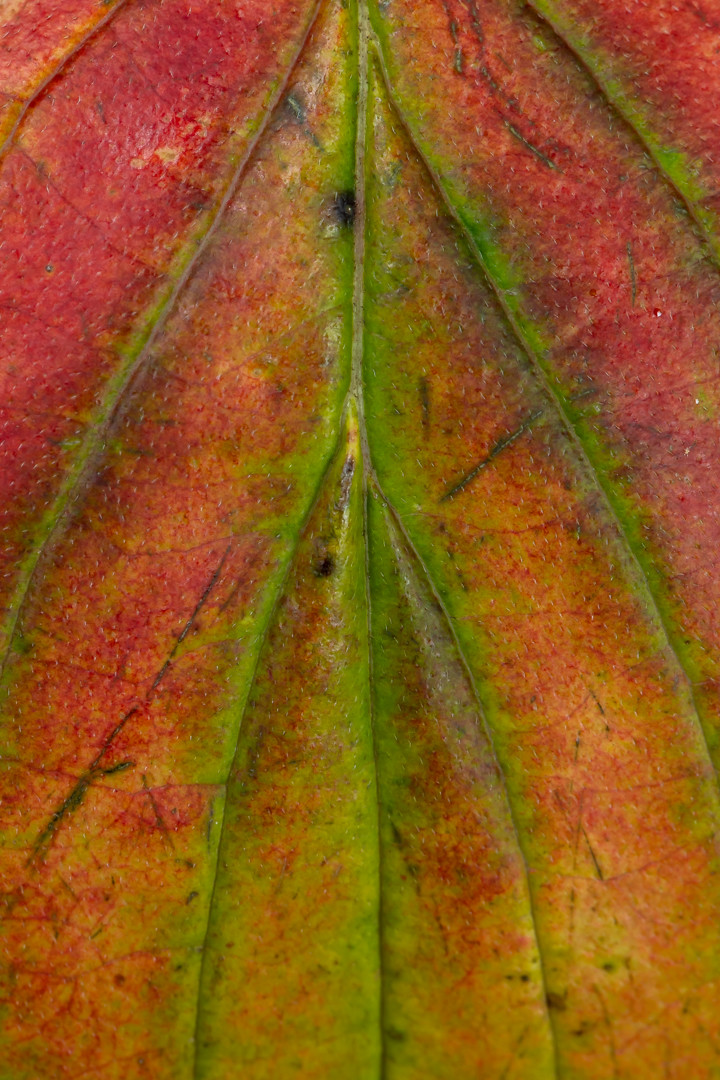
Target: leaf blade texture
<point>360,645</point>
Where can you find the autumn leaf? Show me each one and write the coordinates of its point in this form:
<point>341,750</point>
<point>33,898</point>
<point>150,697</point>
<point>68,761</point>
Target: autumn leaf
<point>360,638</point>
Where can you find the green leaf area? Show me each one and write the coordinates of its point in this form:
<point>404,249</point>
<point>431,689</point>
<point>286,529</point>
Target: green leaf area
<point>360,567</point>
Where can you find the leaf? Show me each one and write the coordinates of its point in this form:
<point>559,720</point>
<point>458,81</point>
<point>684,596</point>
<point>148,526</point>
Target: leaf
<point>359,641</point>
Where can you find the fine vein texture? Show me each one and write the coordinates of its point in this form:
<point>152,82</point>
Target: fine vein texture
<point>609,288</point>
<point>660,65</point>
<point>460,954</point>
<point>112,180</point>
<point>613,792</point>
<point>291,979</point>
<point>359,635</point>
<point>126,688</point>
<point>37,38</point>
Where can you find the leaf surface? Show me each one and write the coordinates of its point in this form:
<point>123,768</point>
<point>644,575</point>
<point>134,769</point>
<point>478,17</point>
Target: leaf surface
<point>360,639</point>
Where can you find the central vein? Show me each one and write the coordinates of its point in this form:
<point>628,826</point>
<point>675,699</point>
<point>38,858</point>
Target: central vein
<point>356,396</point>
<point>356,389</point>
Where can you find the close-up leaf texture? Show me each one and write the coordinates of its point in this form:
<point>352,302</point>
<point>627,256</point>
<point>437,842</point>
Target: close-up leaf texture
<point>360,550</point>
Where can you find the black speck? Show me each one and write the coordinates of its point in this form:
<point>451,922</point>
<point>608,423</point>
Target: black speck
<point>325,567</point>
<point>556,1001</point>
<point>344,208</point>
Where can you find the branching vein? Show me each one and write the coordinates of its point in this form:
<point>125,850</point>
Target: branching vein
<point>93,444</point>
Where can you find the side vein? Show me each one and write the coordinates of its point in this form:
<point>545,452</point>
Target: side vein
<point>555,397</point>
<point>452,630</point>
<point>57,71</point>
<point>93,444</point>
<point>615,101</point>
<point>435,592</point>
<point>260,647</point>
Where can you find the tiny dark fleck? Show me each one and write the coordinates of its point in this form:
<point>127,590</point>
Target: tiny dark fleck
<point>325,567</point>
<point>348,469</point>
<point>344,208</point>
<point>424,392</point>
<point>346,476</point>
<point>556,1001</point>
<point>23,644</point>
<point>192,896</point>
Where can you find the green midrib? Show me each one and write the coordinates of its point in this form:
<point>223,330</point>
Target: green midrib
<point>358,396</point>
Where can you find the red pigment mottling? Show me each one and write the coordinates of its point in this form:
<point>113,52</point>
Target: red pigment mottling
<point>36,38</point>
<point>115,169</point>
<point>125,690</point>
<point>609,273</point>
<point>613,793</point>
<point>457,932</point>
<point>665,56</point>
